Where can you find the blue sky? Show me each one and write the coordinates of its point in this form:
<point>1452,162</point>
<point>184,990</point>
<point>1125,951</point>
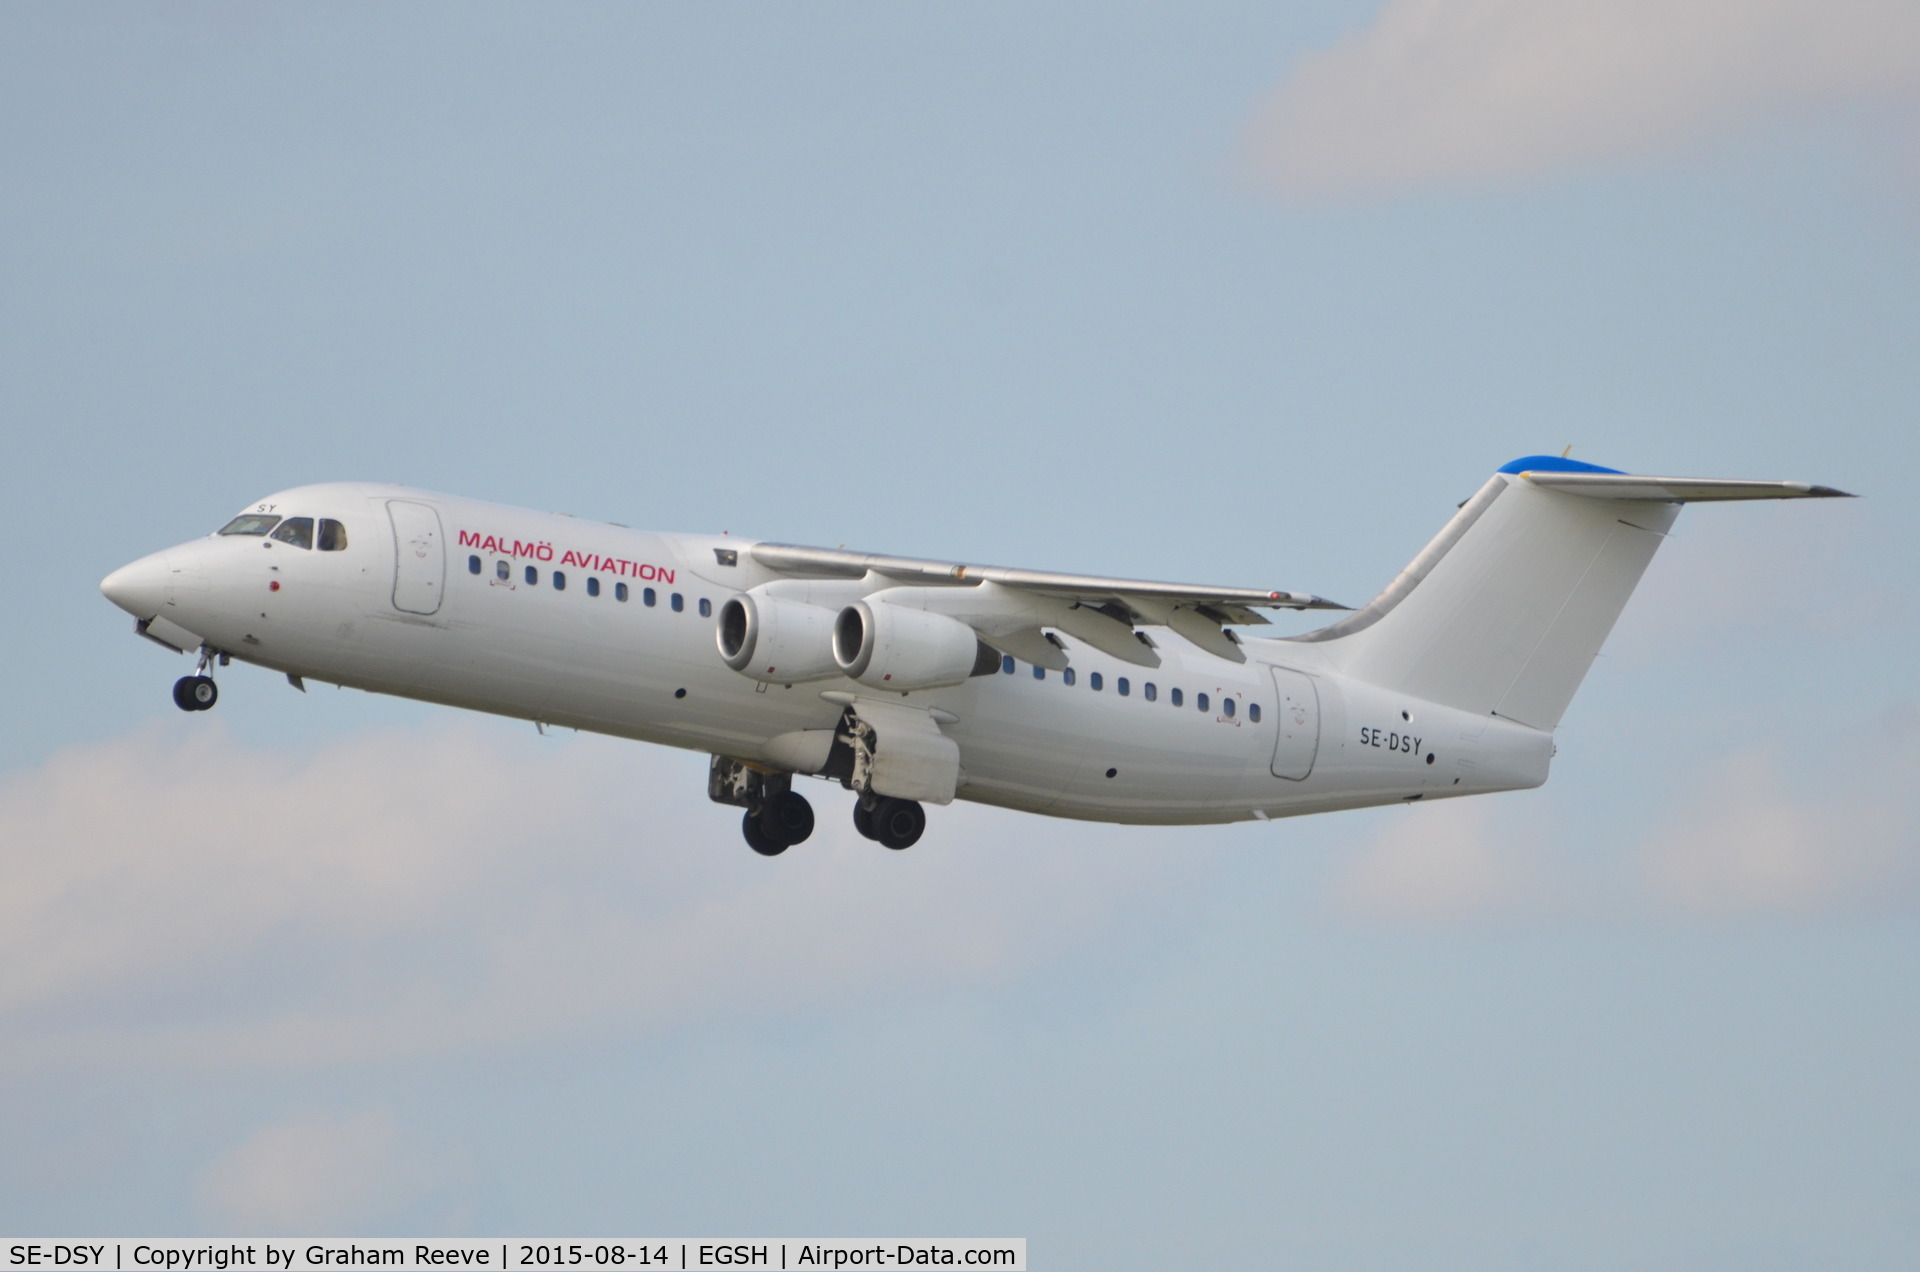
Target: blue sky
<point>1230,293</point>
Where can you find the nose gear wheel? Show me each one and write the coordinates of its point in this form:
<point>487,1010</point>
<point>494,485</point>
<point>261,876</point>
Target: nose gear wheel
<point>195,693</point>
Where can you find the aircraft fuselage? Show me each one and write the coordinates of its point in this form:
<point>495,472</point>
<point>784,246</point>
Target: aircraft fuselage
<point>593,626</point>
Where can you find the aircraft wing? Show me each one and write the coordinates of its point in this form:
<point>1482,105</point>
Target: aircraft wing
<point>1008,606</point>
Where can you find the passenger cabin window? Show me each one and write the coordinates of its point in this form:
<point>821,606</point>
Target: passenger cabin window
<point>1253,712</point>
<point>559,581</point>
<point>1200,701</point>
<point>678,602</point>
<point>249,523</point>
<point>333,535</point>
<point>295,532</point>
<point>1039,673</point>
<point>473,565</point>
<point>533,577</point>
<point>619,591</point>
<point>706,608</point>
<point>1152,691</point>
<point>1122,687</point>
<point>1067,675</point>
<point>1176,697</point>
<point>1226,705</point>
<point>593,586</point>
<point>504,570</point>
<point>1095,683</point>
<point>1006,663</point>
<point>647,596</point>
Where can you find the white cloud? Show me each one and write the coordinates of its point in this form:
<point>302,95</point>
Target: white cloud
<point>414,892</point>
<point>1760,838</point>
<point>315,1172</point>
<point>1451,90</point>
<point>1438,862</point>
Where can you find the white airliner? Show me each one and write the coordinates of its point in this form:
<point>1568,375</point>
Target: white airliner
<point>913,681</point>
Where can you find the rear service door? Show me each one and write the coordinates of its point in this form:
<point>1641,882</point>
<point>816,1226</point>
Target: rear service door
<point>1298,739</point>
<point>419,557</point>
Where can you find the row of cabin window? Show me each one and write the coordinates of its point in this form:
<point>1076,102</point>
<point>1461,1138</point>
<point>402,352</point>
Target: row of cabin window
<point>504,571</point>
<point>1148,690</point>
<point>1095,680</point>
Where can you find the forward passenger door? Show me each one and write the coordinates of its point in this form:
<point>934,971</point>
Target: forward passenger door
<point>419,557</point>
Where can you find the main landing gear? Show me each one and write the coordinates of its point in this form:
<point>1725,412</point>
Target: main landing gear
<point>197,692</point>
<point>782,821</point>
<point>777,817</point>
<point>892,823</point>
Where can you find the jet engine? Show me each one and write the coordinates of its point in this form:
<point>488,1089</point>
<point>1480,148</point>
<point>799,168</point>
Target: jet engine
<point>892,647</point>
<point>774,640</point>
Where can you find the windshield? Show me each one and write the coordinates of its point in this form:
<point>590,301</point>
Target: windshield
<point>296,530</point>
<point>250,523</point>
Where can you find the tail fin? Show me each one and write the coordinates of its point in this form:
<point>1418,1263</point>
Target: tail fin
<point>1506,609</point>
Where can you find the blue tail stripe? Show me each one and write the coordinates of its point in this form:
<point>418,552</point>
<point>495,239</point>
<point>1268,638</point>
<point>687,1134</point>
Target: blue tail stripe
<point>1552,464</point>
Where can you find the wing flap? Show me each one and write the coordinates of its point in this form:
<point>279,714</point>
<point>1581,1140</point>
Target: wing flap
<point>1030,645</point>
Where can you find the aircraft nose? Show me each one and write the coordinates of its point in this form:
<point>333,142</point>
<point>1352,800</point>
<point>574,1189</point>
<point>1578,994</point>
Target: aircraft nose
<point>139,588</point>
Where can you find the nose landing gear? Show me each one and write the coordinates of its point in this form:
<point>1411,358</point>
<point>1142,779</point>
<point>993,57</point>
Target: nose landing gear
<point>198,692</point>
<point>195,693</point>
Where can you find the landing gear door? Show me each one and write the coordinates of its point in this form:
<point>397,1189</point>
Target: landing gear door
<point>1298,733</point>
<point>419,557</point>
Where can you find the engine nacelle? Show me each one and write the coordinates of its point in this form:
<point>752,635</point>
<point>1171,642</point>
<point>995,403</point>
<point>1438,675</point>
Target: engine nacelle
<point>892,647</point>
<point>774,640</point>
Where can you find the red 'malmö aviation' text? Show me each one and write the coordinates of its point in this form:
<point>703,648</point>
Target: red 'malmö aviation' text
<point>539,550</point>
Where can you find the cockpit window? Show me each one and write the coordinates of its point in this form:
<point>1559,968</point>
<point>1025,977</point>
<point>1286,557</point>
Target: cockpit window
<point>333,535</point>
<point>250,523</point>
<point>297,531</point>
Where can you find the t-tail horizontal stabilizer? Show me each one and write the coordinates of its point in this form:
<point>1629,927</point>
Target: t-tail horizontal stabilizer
<point>1677,489</point>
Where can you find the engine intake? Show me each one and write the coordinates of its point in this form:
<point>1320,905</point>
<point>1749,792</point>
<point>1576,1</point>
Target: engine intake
<point>775,640</point>
<point>891,647</point>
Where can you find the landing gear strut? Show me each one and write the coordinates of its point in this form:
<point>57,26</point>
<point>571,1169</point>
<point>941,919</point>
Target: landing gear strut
<point>197,692</point>
<point>888,820</point>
